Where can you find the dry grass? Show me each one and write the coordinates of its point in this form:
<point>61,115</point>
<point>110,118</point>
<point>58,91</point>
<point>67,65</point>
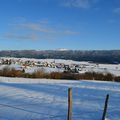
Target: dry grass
<point>11,72</point>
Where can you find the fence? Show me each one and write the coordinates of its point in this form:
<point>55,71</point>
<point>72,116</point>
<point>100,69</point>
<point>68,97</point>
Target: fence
<point>52,117</point>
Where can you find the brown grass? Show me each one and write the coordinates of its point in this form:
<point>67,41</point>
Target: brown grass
<point>11,72</point>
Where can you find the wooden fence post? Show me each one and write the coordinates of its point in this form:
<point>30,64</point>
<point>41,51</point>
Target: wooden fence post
<point>105,107</point>
<point>70,104</point>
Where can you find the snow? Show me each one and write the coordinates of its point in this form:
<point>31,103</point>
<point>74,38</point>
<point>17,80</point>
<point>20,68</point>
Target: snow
<point>62,49</point>
<point>44,99</point>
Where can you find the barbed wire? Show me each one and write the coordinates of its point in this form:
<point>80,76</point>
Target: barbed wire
<point>22,109</point>
<point>49,116</point>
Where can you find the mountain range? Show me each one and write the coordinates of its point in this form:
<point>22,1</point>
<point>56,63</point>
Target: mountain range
<point>96,56</point>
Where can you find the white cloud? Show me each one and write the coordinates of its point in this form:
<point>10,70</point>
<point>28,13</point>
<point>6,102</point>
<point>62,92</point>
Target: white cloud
<point>71,3</point>
<point>45,28</point>
<point>69,32</point>
<point>116,10</point>
<point>79,3</point>
<point>41,30</point>
<point>20,37</point>
<point>35,27</point>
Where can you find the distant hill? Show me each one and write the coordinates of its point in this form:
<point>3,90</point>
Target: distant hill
<point>97,56</point>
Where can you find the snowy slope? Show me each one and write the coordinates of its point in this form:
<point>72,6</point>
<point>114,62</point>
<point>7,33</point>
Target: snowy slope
<point>41,99</point>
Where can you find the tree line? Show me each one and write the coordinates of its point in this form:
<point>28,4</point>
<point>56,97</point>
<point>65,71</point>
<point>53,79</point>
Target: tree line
<point>96,56</point>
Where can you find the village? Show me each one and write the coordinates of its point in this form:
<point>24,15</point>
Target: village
<point>57,65</point>
<point>28,64</point>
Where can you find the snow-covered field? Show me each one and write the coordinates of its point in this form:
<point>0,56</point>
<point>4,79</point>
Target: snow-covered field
<point>41,99</point>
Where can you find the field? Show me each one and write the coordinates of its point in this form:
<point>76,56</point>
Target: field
<point>41,99</point>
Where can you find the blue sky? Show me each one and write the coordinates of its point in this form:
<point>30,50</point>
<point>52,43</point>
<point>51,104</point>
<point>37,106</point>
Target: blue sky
<point>54,24</point>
